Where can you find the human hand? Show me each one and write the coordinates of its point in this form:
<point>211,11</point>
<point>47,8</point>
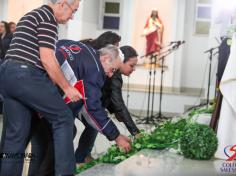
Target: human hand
<point>73,94</point>
<point>123,142</point>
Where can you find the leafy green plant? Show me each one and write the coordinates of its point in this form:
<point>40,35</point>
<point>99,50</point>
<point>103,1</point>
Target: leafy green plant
<point>167,135</point>
<point>86,166</point>
<point>114,155</point>
<point>195,141</point>
<point>201,111</point>
<point>164,136</point>
<point>198,142</point>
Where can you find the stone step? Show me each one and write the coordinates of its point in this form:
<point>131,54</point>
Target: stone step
<point>99,170</point>
<point>163,163</point>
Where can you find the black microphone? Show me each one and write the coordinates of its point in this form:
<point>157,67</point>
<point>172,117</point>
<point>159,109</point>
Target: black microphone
<point>148,54</point>
<point>181,42</point>
<point>178,43</point>
<point>173,42</point>
<point>211,49</point>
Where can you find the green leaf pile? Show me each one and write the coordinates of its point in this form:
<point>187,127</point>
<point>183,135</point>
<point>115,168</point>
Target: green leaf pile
<point>201,111</point>
<point>198,142</point>
<point>167,135</point>
<point>195,141</point>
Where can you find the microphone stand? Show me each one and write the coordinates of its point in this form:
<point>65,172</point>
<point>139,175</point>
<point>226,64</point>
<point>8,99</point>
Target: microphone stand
<point>209,79</point>
<point>149,91</point>
<point>152,56</point>
<point>209,73</point>
<point>148,119</point>
<point>153,86</point>
<point>161,87</point>
<point>162,58</point>
<point>162,55</point>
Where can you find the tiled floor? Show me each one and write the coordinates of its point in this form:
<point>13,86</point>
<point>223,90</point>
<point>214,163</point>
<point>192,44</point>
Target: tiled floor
<point>166,163</point>
<point>163,163</point>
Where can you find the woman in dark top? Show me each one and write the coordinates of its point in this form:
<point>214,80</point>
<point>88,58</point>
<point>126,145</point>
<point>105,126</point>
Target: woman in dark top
<point>5,38</point>
<point>113,101</point>
<point>112,91</point>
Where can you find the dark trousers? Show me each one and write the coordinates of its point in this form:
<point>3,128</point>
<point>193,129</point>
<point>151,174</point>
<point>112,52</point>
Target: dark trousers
<point>1,106</point>
<point>42,147</point>
<point>25,88</point>
<point>1,103</point>
<point>86,142</point>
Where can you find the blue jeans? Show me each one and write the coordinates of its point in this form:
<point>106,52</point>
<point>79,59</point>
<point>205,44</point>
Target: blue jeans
<point>1,100</point>
<point>86,142</point>
<point>26,88</point>
<point>41,141</point>
<point>42,145</point>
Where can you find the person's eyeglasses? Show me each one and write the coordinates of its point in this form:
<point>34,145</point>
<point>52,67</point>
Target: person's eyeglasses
<point>114,70</point>
<point>72,10</point>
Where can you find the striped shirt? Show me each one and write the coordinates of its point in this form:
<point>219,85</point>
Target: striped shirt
<point>36,29</point>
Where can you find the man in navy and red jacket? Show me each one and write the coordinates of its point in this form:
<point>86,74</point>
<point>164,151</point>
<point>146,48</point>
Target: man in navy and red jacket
<point>81,62</point>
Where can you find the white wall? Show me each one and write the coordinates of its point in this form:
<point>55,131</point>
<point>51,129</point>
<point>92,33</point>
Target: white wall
<point>194,60</point>
<point>16,11</point>
<point>127,27</point>
<point>179,25</point>
<point>3,10</point>
<point>86,22</point>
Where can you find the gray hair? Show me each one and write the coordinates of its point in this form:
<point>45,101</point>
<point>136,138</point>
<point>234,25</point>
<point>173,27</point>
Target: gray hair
<point>56,1</point>
<point>110,50</point>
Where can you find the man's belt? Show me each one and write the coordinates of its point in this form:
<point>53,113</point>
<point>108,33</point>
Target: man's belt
<point>22,62</point>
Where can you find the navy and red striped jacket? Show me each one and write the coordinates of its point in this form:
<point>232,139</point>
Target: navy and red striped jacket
<point>81,62</point>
